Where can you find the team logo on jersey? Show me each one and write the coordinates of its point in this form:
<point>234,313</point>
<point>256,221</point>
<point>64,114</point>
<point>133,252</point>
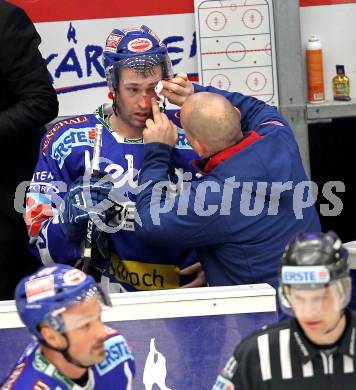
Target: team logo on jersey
<point>138,45</point>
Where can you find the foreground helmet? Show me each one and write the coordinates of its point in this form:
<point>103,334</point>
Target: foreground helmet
<point>139,49</point>
<point>312,261</point>
<point>46,294</point>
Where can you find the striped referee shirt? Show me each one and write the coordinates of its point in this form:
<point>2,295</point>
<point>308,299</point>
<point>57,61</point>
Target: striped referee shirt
<point>280,357</point>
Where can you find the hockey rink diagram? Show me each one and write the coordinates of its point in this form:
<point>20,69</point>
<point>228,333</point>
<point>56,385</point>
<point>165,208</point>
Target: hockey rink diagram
<point>235,45</point>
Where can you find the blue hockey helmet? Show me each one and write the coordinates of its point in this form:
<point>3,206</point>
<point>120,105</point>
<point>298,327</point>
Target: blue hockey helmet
<point>314,261</point>
<point>46,294</point>
<point>139,49</point>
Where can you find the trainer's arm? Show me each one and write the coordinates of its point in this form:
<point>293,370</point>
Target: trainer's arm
<point>255,114</point>
<point>160,219</point>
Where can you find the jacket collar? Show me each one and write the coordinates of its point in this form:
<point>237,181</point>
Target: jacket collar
<point>206,165</point>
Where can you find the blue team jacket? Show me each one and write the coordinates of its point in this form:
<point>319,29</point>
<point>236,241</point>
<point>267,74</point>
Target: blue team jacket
<point>235,215</point>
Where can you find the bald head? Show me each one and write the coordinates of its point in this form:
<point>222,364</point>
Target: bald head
<point>212,118</point>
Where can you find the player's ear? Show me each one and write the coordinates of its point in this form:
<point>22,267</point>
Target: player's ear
<point>200,147</point>
<point>52,337</point>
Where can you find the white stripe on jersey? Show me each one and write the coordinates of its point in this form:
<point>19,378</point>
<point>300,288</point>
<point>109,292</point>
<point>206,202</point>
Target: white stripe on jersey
<point>265,359</point>
<point>348,364</point>
<point>284,353</point>
<point>128,374</point>
<point>331,364</point>
<point>325,362</point>
<point>308,369</point>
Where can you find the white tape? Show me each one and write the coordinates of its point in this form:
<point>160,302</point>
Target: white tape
<point>158,90</point>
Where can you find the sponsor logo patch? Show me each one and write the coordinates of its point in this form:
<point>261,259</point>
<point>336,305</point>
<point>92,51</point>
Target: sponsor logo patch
<point>139,45</point>
<point>305,275</point>
<point>117,352</point>
<point>39,288</point>
<point>51,133</point>
<point>144,276</point>
<point>37,212</point>
<point>72,138</point>
<point>112,42</point>
<point>74,277</point>
<point>223,384</point>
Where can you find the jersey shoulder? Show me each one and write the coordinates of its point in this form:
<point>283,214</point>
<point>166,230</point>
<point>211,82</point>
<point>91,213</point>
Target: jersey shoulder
<point>117,352</point>
<point>64,127</point>
<point>72,135</point>
<point>28,373</point>
<point>250,343</point>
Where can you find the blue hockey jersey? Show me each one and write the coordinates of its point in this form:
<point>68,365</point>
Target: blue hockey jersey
<point>66,153</point>
<point>34,372</point>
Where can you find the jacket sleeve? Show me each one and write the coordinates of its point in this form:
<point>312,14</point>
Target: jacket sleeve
<point>43,203</point>
<point>26,76</point>
<point>255,114</point>
<point>184,221</point>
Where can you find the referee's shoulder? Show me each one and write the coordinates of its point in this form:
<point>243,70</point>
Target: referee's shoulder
<point>250,343</point>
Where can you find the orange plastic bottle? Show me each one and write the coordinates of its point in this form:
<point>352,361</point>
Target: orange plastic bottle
<point>314,56</point>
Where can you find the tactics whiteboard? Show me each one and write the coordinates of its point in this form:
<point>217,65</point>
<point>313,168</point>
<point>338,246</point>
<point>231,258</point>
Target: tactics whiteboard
<point>236,47</point>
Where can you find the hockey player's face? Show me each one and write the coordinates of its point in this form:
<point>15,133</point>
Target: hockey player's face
<point>86,332</point>
<point>318,312</point>
<point>133,100</point>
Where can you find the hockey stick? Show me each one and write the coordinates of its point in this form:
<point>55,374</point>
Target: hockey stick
<point>94,172</point>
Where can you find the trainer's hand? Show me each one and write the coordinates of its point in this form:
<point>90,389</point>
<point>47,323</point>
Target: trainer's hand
<point>197,269</point>
<point>160,129</point>
<point>178,89</point>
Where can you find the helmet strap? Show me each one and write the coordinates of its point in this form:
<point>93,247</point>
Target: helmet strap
<point>65,352</point>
